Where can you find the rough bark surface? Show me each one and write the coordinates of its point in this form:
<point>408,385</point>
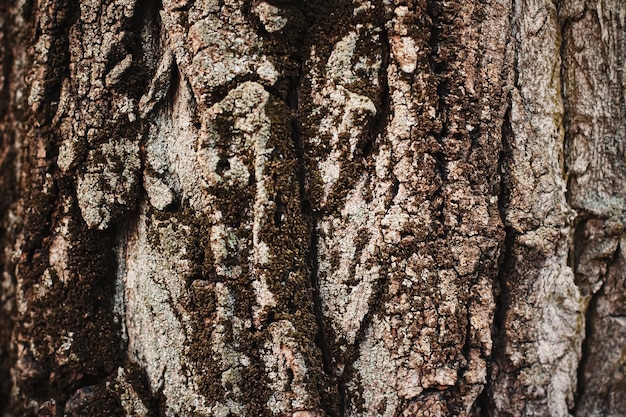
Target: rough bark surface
<point>320,208</point>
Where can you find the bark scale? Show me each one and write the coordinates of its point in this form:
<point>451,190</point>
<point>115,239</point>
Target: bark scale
<point>349,208</point>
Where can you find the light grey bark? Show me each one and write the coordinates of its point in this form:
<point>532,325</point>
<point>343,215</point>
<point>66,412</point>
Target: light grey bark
<point>349,208</point>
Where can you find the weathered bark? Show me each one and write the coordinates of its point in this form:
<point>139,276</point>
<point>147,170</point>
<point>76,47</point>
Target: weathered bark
<point>348,208</point>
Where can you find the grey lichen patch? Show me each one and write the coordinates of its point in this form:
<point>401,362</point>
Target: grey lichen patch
<point>114,76</point>
<point>187,164</point>
<point>132,402</point>
<point>233,166</point>
<point>341,109</point>
<point>206,54</point>
<point>160,194</point>
<point>230,162</point>
<point>171,167</point>
<point>109,184</point>
<point>270,16</point>
<point>154,278</point>
<point>286,367</point>
<point>215,59</point>
<point>96,114</point>
<point>348,285</point>
<point>225,334</point>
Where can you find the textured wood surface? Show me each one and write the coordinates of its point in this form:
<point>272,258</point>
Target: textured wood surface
<point>349,208</point>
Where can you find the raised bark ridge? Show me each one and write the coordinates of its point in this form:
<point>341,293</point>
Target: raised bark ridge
<point>350,208</point>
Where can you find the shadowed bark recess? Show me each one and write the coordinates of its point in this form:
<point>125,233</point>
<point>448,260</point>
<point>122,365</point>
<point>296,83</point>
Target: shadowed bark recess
<point>298,208</point>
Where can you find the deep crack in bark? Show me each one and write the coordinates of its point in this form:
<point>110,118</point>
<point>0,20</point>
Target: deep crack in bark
<point>321,339</point>
<point>505,263</point>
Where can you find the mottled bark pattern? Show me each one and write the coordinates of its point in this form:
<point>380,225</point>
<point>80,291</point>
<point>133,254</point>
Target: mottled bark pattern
<point>312,208</point>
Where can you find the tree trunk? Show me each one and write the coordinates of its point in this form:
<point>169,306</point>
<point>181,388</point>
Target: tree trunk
<point>312,208</point>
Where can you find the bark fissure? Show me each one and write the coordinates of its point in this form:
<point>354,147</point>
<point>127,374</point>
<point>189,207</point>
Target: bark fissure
<point>6,62</point>
<point>506,262</point>
<point>378,124</point>
<point>331,404</point>
<point>577,223</point>
<point>585,351</point>
<point>10,160</point>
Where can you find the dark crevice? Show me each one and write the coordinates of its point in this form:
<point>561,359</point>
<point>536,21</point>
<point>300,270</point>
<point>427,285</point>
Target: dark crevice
<point>280,210</point>
<point>505,263</point>
<point>591,314</point>
<point>379,123</point>
<point>437,65</point>
<point>145,11</point>
<point>433,11</point>
<point>56,67</point>
<point>576,249</point>
<point>223,90</point>
<point>439,129</point>
<point>577,238</point>
<point>146,44</point>
<point>322,341</point>
<point>7,65</point>
<point>321,338</point>
<point>395,188</point>
<point>296,135</point>
<point>138,378</point>
<point>292,101</point>
<point>173,88</point>
<point>585,350</point>
<point>439,197</point>
<point>8,191</point>
<point>184,8</point>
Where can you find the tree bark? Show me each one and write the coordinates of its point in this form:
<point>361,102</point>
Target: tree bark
<point>312,208</point>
